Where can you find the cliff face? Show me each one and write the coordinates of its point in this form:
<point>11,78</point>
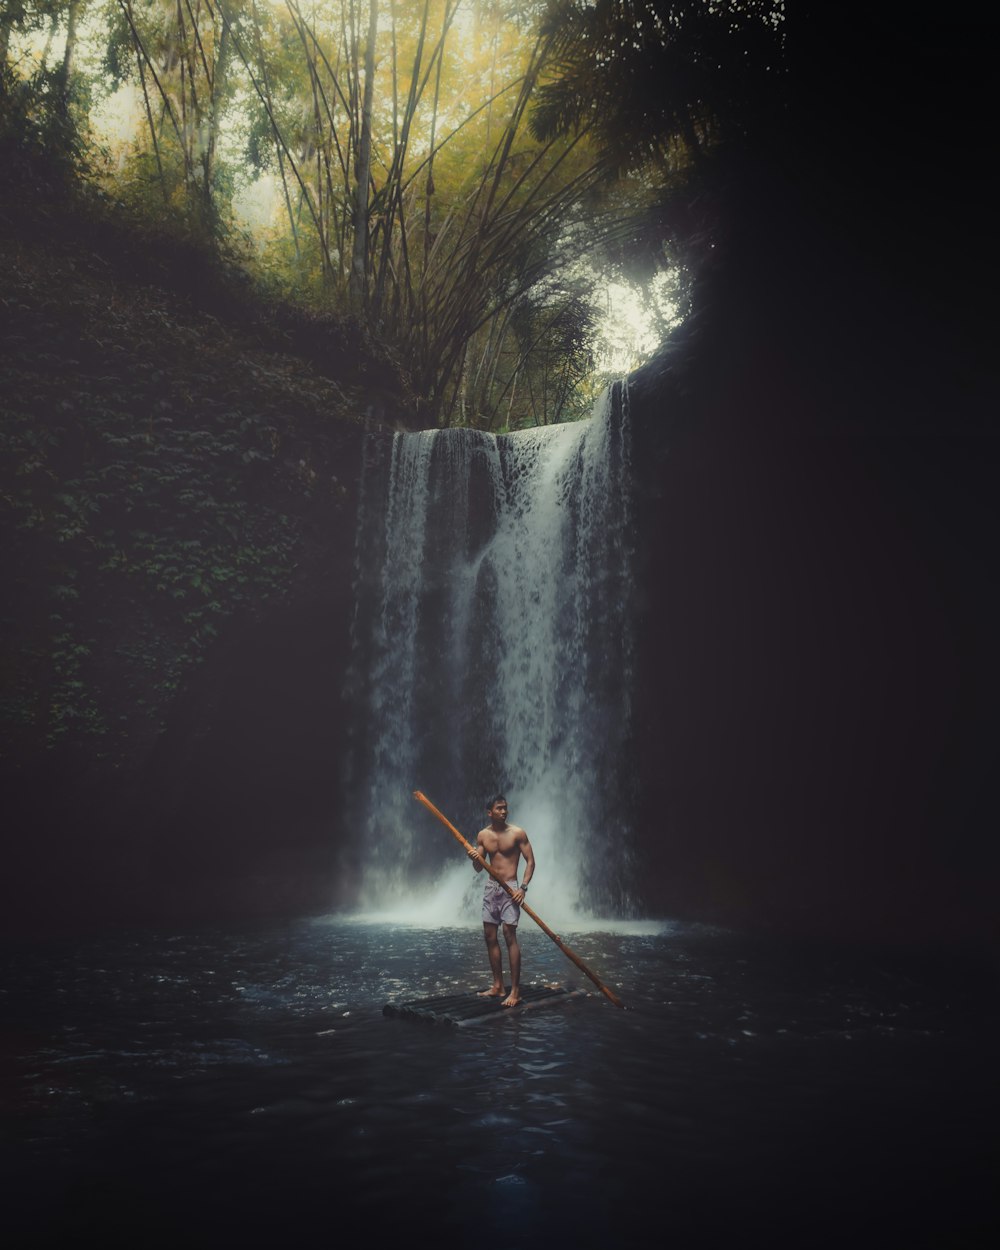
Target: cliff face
<point>818,451</point>
<point>178,489</point>
<point>816,459</point>
<point>817,520</point>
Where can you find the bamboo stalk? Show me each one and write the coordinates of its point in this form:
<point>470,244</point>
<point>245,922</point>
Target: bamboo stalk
<point>571,955</point>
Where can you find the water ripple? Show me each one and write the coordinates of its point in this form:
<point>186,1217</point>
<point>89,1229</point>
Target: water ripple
<point>220,1066</point>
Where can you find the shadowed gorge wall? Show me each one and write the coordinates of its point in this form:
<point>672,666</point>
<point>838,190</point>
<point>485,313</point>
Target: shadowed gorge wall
<point>815,526</point>
<point>816,452</point>
<point>816,670</point>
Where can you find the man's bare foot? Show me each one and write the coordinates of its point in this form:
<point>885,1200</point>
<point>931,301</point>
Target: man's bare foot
<point>512,999</point>
<point>493,992</point>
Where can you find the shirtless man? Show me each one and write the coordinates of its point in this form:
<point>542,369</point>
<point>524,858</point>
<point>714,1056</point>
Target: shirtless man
<point>504,844</point>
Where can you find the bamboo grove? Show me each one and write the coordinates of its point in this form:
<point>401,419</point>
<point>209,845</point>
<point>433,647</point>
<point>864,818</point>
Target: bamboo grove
<point>382,157</point>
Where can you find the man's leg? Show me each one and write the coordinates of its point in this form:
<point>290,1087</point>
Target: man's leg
<point>496,966</point>
<point>514,954</point>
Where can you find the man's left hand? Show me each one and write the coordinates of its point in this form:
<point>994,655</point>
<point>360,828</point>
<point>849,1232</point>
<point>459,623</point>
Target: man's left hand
<point>518,896</point>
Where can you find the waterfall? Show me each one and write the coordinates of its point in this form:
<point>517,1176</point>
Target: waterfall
<point>493,652</point>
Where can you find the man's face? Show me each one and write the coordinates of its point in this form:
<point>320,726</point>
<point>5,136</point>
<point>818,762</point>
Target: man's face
<point>498,811</point>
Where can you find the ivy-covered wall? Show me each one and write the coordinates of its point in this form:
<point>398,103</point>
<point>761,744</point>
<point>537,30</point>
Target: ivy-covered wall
<point>174,478</point>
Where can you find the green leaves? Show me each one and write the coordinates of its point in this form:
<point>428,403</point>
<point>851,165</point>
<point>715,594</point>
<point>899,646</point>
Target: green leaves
<point>172,494</point>
<point>377,159</point>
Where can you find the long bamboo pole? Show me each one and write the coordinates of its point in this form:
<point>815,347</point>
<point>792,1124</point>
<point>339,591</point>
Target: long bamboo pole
<point>571,955</point>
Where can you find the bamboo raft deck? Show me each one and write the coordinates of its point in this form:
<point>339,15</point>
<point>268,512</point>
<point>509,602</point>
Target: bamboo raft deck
<point>457,1011</point>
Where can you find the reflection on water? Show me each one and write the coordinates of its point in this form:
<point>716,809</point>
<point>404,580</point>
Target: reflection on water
<point>243,1087</point>
<point>455,901</point>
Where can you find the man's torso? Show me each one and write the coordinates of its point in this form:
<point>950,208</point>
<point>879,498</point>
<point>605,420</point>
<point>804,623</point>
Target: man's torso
<point>503,849</point>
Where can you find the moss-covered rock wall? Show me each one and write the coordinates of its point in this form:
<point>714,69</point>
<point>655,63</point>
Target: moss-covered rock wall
<point>179,468</point>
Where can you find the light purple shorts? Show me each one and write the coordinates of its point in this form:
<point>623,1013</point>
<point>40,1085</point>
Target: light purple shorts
<point>498,906</point>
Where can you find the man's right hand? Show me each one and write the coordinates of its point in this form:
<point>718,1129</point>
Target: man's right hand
<point>477,860</point>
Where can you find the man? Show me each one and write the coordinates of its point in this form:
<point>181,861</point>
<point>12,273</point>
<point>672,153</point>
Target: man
<point>504,844</point>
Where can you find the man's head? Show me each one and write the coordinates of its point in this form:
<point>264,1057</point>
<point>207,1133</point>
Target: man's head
<point>497,808</point>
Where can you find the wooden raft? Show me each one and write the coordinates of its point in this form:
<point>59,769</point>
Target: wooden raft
<point>459,1010</point>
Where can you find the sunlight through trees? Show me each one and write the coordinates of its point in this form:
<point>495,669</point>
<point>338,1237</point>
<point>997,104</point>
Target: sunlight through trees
<point>465,177</point>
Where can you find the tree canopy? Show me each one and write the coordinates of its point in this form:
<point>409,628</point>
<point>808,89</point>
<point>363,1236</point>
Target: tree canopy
<point>441,168</point>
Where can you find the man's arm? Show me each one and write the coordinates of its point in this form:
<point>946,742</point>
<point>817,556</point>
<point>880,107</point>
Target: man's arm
<point>529,867</point>
<point>476,854</point>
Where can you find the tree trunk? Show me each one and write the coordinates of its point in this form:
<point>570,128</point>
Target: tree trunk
<point>217,86</point>
<point>359,257</point>
<point>66,69</point>
<point>6,22</point>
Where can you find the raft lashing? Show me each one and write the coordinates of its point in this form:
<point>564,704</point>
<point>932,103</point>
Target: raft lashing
<point>459,1010</point>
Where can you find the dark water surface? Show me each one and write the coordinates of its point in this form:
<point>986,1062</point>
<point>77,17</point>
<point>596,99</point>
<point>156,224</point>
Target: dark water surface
<point>243,1088</point>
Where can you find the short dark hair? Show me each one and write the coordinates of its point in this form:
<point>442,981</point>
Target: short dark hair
<point>497,798</point>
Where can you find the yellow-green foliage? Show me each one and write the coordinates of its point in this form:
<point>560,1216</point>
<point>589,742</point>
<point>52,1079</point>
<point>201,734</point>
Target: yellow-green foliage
<point>247,116</point>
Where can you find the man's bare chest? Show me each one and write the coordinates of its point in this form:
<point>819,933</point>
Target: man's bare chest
<point>502,844</point>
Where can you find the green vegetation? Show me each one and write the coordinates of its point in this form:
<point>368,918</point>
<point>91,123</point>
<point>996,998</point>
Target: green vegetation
<point>165,471</point>
<point>233,228</point>
<point>437,168</point>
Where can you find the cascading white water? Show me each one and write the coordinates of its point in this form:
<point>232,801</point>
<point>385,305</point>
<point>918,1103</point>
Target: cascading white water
<point>493,652</point>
